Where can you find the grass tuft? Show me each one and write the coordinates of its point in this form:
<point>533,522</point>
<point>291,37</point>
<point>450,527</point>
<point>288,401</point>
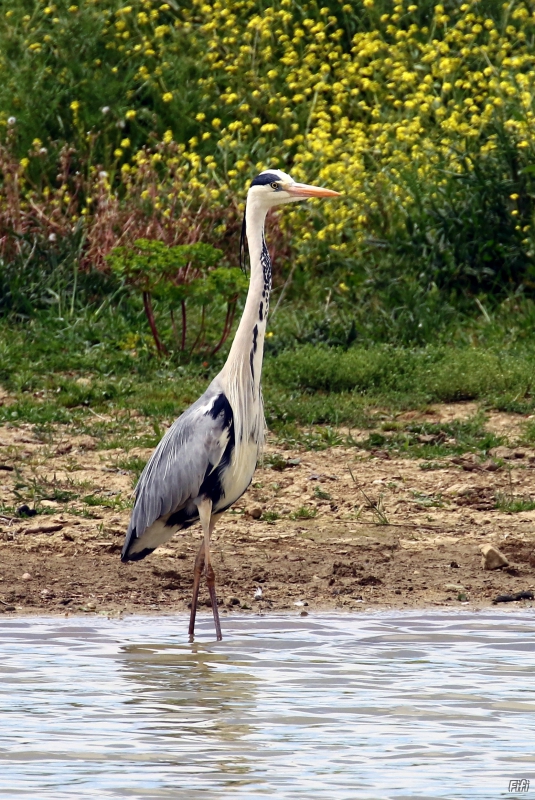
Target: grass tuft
<point>513,504</point>
<point>305,512</point>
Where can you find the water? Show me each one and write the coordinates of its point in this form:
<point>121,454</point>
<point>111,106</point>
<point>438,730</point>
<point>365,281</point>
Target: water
<point>372,706</point>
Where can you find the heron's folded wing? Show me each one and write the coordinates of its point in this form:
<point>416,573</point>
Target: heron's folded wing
<point>192,446</point>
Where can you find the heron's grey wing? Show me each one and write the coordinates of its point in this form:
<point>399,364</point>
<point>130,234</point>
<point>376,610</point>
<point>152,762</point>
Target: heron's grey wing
<point>192,446</point>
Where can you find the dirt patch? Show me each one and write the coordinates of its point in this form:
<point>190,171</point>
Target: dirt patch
<point>341,528</point>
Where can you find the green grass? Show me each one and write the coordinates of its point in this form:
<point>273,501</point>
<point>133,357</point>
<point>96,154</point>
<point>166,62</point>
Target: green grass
<point>427,500</point>
<point>76,374</point>
<point>132,464</point>
<point>270,516</point>
<point>305,512</point>
<point>529,432</point>
<point>277,462</point>
<point>104,500</point>
<point>513,504</point>
<point>413,376</point>
<point>35,490</point>
<point>435,440</point>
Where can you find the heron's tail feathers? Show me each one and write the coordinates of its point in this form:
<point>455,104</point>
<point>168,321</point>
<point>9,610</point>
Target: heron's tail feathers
<point>137,547</point>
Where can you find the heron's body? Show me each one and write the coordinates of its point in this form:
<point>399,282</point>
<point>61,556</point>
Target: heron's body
<point>207,459</point>
<point>199,446</point>
<point>212,449</point>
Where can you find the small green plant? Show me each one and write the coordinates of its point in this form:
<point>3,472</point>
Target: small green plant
<point>270,516</point>
<point>514,504</point>
<point>321,494</point>
<point>376,506</point>
<point>37,489</point>
<point>427,500</point>
<point>275,461</point>
<point>133,464</point>
<point>94,500</point>
<point>509,502</point>
<point>278,463</point>
<point>178,276</point>
<point>114,501</point>
<point>305,512</point>
<point>529,433</point>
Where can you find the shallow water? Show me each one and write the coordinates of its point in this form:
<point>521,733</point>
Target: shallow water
<point>383,705</point>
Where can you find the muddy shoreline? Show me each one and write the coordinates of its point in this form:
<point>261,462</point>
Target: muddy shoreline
<point>339,529</point>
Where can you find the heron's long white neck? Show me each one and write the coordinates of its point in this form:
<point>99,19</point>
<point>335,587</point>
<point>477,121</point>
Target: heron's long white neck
<point>242,372</point>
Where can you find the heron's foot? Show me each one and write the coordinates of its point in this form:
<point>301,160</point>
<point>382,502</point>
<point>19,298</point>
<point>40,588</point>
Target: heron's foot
<point>210,580</point>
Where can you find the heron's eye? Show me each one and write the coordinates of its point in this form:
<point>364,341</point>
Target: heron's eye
<point>275,185</point>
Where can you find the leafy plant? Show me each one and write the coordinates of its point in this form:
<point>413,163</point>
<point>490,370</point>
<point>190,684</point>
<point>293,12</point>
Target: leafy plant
<point>270,516</point>
<point>321,494</point>
<point>305,512</point>
<point>177,275</point>
<point>513,503</point>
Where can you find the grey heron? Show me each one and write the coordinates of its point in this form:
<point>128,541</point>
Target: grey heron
<point>207,458</point>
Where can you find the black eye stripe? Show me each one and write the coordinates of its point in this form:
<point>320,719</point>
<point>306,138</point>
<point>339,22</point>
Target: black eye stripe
<point>266,178</point>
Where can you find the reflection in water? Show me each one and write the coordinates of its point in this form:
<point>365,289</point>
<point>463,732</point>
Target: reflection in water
<point>200,699</point>
<point>414,705</point>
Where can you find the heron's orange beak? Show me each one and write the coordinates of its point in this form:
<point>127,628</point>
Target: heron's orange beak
<point>302,190</point>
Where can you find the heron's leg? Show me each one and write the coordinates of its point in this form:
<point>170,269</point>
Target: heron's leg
<point>208,522</point>
<point>197,572</point>
<point>210,580</point>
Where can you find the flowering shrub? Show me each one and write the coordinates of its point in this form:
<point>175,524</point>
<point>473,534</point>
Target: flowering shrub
<point>148,119</point>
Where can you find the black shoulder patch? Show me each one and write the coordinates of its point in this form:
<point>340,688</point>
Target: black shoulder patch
<point>264,179</point>
<point>221,407</point>
<point>212,483</point>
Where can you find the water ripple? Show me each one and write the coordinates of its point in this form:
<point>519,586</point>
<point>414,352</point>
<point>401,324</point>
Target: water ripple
<point>373,706</point>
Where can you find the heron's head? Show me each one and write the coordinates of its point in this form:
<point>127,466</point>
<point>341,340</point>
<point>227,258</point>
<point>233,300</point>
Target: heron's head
<point>274,187</point>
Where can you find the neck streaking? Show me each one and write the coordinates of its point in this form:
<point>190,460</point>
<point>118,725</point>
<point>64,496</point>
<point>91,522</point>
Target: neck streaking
<point>242,372</point>
<point>263,309</point>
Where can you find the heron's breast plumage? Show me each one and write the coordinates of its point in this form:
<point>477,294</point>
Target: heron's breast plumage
<point>238,475</point>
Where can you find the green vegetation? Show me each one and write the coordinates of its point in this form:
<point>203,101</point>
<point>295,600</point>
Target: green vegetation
<point>304,512</point>
<point>132,464</point>
<point>147,120</point>
<point>513,504</point>
<point>321,494</point>
<point>84,372</point>
<point>106,500</point>
<point>128,134</point>
<point>270,516</point>
<point>442,373</point>
<point>181,276</point>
